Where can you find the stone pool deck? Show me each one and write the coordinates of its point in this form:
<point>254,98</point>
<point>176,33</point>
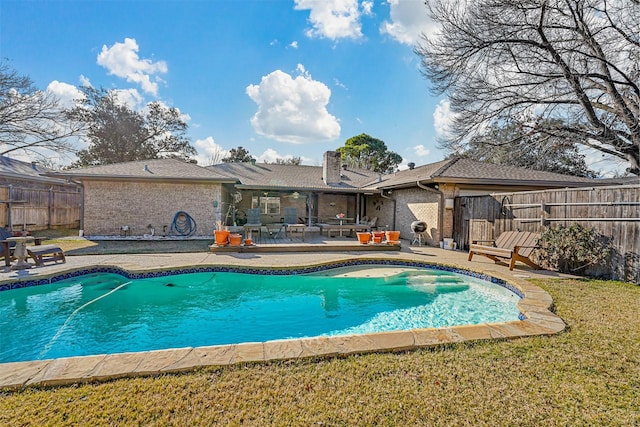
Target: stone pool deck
<point>535,306</point>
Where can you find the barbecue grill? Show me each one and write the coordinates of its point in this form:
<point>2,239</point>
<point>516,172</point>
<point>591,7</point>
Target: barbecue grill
<point>418,228</point>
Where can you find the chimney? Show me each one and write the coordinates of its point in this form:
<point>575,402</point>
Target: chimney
<point>411,165</point>
<point>331,167</point>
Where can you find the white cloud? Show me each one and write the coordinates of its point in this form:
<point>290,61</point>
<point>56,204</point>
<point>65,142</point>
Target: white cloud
<point>332,19</point>
<point>293,44</point>
<point>604,164</point>
<point>403,165</point>
<point>421,150</point>
<point>84,81</point>
<point>122,60</point>
<point>270,155</point>
<point>130,98</point>
<point>340,84</point>
<point>443,118</point>
<point>66,93</point>
<point>409,19</point>
<point>293,109</point>
<point>367,7</point>
<point>209,151</point>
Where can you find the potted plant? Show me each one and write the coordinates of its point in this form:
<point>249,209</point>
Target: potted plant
<point>221,234</point>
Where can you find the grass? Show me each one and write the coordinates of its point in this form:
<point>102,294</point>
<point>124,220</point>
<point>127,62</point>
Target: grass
<point>588,375</point>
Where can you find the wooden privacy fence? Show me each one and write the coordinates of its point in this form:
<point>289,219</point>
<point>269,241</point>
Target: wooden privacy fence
<point>612,211</point>
<point>38,209</point>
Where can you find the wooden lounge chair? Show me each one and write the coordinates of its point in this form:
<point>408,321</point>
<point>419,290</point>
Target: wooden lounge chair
<point>43,253</point>
<point>510,245</point>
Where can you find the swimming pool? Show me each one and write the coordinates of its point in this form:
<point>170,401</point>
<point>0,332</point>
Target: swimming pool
<point>112,311</point>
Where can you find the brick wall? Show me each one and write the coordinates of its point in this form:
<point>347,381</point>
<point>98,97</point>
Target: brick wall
<point>415,204</point>
<point>330,205</point>
<point>382,209</point>
<point>108,205</point>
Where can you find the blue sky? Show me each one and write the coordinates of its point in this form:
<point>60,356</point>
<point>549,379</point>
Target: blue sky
<point>281,78</point>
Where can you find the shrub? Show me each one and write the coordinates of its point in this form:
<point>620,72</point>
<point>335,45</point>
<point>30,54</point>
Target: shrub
<point>571,249</point>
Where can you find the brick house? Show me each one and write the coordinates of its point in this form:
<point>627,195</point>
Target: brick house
<point>143,197</point>
<point>149,193</point>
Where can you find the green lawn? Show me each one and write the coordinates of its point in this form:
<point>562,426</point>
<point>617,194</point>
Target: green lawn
<point>588,375</point>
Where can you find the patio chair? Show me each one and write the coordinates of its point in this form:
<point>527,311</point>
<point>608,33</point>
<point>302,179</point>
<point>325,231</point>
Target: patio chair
<point>372,223</point>
<point>254,223</point>
<point>291,222</point>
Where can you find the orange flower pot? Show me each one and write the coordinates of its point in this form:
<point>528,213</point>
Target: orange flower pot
<point>377,236</point>
<point>222,237</point>
<point>235,239</point>
<point>364,238</point>
<point>248,242</point>
<point>392,236</point>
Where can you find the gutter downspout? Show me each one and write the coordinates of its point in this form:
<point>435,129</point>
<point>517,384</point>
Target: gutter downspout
<point>81,187</point>
<point>394,208</point>
<point>440,206</point>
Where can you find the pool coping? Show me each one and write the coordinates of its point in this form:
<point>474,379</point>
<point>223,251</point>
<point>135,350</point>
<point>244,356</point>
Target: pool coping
<point>535,305</point>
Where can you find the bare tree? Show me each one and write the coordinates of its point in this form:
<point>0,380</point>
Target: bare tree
<point>561,68</point>
<point>31,121</point>
<point>215,157</point>
<point>508,145</point>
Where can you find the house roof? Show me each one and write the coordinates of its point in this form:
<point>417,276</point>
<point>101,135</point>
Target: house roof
<point>625,180</point>
<point>292,177</point>
<point>469,171</point>
<point>156,169</point>
<point>19,170</point>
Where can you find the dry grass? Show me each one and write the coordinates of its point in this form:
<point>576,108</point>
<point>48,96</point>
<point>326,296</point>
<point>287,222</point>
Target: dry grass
<point>589,375</point>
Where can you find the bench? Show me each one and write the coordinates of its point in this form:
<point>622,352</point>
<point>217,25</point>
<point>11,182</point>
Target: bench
<point>510,245</point>
<point>43,253</point>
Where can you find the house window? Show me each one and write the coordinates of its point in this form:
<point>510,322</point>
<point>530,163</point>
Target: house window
<point>267,205</point>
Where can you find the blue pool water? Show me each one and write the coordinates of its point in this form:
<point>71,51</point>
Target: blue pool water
<point>109,313</point>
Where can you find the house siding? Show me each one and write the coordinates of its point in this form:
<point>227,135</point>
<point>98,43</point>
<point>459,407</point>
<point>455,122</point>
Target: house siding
<point>108,205</point>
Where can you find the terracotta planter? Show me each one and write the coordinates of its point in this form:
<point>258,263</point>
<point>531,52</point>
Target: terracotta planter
<point>377,235</point>
<point>235,239</point>
<point>248,242</point>
<point>364,238</point>
<point>222,237</point>
<point>392,236</point>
